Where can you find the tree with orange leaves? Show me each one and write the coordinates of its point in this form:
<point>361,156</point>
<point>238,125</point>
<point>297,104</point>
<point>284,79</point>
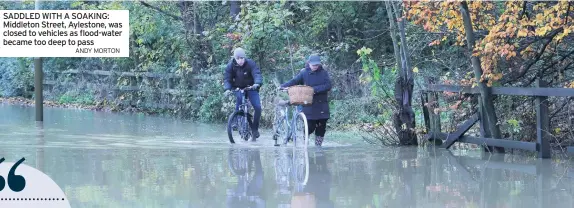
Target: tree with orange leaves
<point>507,41</point>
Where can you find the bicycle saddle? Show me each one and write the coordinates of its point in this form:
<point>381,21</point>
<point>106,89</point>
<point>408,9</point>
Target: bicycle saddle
<point>282,102</point>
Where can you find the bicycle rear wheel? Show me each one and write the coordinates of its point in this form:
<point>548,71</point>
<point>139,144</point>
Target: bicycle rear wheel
<point>280,127</point>
<point>238,127</point>
<point>301,131</point>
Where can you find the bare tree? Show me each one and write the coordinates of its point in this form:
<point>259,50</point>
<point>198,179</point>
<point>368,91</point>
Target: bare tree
<point>404,117</point>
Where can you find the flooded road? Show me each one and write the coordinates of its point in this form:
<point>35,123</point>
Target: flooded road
<point>117,160</point>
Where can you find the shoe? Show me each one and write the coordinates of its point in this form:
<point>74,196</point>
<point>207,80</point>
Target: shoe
<point>318,141</point>
<point>255,134</point>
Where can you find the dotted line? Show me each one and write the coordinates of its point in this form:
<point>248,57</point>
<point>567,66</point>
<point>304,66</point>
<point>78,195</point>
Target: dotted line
<point>32,199</point>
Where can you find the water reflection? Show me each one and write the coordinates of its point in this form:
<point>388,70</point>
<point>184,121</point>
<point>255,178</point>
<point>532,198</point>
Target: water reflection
<point>316,191</point>
<point>223,175</point>
<point>271,177</point>
<point>40,146</point>
<point>495,180</point>
<point>245,164</point>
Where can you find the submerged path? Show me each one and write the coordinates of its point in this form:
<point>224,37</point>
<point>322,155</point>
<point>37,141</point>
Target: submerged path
<point>117,160</point>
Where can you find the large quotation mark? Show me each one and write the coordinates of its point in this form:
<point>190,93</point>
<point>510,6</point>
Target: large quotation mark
<point>16,183</point>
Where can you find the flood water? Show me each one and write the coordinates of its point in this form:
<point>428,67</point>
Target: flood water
<point>122,160</point>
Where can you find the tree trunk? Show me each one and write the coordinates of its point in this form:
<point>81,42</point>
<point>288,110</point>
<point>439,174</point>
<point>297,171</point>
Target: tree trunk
<point>393,28</point>
<point>234,10</point>
<point>404,118</point>
<point>486,104</point>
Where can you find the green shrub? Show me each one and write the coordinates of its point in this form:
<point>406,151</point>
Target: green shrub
<point>16,77</point>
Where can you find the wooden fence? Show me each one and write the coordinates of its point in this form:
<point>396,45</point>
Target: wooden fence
<point>446,140</point>
<point>132,85</point>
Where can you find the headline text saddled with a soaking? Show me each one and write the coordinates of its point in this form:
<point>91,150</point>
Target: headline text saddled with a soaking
<point>55,15</point>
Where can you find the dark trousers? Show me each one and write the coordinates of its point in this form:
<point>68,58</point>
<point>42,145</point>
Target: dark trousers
<point>318,126</point>
<point>255,102</point>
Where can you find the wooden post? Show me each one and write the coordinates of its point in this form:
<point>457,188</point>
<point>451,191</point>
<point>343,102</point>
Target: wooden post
<point>425,107</point>
<point>544,173</point>
<point>542,124</point>
<point>434,118</point>
<point>38,83</point>
<point>424,102</point>
<point>484,128</point>
<point>38,89</point>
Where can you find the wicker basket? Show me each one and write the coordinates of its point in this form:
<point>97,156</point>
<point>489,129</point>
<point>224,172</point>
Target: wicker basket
<point>303,200</point>
<point>300,95</point>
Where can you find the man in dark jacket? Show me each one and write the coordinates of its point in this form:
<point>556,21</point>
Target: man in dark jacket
<point>242,72</point>
<point>314,75</point>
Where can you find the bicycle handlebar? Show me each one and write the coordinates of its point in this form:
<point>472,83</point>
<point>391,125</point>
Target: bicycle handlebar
<point>246,88</point>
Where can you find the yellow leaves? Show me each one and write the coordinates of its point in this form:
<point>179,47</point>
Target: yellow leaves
<point>496,76</point>
<point>525,23</point>
<point>509,32</point>
<point>364,51</point>
<point>522,33</point>
<point>416,70</point>
<point>539,6</point>
<point>541,31</point>
<point>488,46</point>
<point>571,85</point>
<point>452,13</point>
<point>567,30</point>
<point>539,19</point>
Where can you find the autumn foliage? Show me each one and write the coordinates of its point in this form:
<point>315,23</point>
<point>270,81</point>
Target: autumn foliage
<point>512,35</point>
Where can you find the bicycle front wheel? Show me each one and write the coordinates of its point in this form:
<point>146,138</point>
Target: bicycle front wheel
<point>239,126</point>
<point>301,166</point>
<point>301,131</point>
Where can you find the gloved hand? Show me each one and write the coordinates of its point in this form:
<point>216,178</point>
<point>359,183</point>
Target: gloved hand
<point>227,92</point>
<point>255,86</point>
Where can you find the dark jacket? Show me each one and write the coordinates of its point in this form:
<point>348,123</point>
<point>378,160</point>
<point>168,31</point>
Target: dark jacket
<point>241,76</point>
<point>319,183</point>
<point>321,84</point>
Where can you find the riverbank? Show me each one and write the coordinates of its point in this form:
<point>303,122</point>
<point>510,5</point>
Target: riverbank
<point>47,103</point>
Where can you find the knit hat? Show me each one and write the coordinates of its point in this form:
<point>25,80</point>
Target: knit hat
<point>314,60</point>
<point>239,53</point>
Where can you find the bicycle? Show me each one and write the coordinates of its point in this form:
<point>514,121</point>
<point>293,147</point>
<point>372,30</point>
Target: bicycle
<point>245,164</point>
<point>286,130</point>
<point>241,120</point>
<point>291,168</point>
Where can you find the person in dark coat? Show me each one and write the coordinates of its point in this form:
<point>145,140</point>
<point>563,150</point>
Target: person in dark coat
<point>314,75</point>
<point>242,72</point>
<point>318,184</point>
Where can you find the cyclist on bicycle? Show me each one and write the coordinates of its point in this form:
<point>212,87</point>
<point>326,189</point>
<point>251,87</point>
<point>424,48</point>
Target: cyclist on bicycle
<point>242,72</point>
<point>314,75</point>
